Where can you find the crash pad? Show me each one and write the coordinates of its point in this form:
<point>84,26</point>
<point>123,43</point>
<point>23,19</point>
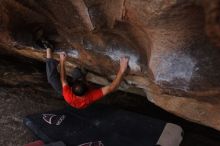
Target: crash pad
<point>98,125</point>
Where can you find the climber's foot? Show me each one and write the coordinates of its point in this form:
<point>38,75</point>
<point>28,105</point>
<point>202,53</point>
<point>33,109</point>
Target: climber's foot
<point>44,44</point>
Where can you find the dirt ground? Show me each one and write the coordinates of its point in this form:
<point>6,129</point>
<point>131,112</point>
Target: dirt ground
<point>24,90</point>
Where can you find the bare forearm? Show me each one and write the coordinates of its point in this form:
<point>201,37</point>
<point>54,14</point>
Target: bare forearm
<point>116,82</point>
<point>62,72</point>
<point>114,85</point>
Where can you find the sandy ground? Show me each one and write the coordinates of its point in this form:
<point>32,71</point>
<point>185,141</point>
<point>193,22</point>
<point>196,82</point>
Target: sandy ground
<point>24,90</point>
<point>14,107</point>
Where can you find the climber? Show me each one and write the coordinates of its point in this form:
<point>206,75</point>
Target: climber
<point>79,95</point>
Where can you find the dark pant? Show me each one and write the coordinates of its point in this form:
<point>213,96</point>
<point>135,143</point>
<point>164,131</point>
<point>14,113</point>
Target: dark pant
<point>53,76</point>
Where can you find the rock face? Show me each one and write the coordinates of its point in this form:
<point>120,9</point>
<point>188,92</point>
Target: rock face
<point>173,46</point>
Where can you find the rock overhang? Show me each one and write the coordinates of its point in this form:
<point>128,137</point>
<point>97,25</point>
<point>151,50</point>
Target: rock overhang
<point>173,55</point>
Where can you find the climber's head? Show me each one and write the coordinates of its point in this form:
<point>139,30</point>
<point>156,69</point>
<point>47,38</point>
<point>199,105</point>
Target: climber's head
<point>79,88</point>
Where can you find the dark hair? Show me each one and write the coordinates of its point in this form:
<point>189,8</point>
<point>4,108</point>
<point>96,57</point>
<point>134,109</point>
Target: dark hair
<point>79,88</point>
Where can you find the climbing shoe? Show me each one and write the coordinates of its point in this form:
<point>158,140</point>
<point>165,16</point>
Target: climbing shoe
<point>40,39</point>
<point>44,44</point>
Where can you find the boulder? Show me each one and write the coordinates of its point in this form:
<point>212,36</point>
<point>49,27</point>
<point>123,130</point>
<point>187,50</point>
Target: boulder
<point>173,46</point>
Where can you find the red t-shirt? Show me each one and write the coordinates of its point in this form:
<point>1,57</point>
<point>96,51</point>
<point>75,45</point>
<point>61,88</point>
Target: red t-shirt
<point>81,101</point>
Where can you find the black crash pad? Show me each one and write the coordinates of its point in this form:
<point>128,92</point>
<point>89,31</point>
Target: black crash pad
<point>96,125</point>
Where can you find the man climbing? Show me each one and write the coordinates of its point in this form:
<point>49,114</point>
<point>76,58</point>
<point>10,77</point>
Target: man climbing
<point>79,95</point>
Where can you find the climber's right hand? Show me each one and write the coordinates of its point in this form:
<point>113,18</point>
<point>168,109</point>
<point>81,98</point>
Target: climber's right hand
<point>63,56</point>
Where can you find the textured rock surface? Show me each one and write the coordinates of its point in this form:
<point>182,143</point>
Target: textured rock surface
<point>173,46</point>
<point>24,90</point>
